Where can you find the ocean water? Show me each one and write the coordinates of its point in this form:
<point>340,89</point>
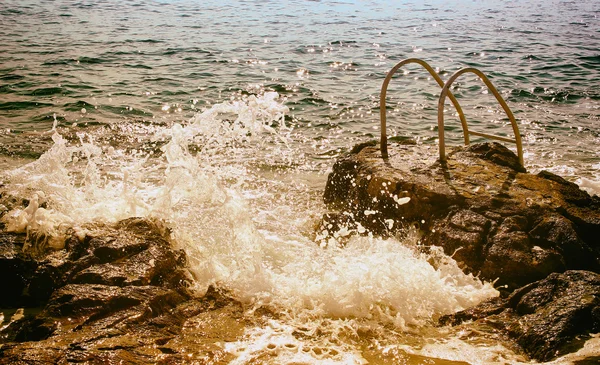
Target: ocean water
<point>223,118</point>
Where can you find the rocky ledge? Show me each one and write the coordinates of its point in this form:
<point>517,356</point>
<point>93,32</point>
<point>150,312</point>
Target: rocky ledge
<point>499,223</point>
<point>118,294</point>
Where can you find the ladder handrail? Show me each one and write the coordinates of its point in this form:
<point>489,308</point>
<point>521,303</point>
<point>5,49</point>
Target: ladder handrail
<point>383,110</point>
<point>446,92</point>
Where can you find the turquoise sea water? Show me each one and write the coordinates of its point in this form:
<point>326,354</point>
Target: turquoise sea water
<point>165,109</point>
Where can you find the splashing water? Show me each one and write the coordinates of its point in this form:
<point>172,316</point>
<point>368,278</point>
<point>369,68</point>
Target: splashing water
<point>246,227</point>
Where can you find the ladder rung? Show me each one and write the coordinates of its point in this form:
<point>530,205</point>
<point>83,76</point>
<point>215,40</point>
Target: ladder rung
<point>503,139</point>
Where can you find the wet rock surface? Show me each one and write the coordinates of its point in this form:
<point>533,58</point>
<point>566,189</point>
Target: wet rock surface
<point>497,221</point>
<point>547,318</point>
<point>117,295</point>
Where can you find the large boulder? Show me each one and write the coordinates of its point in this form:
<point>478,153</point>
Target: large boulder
<point>481,206</point>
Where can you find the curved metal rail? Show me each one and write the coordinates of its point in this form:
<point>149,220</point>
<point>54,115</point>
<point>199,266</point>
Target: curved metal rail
<point>383,110</point>
<point>446,92</point>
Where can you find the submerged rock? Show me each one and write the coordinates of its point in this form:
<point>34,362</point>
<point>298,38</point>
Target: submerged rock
<point>482,207</point>
<point>547,318</point>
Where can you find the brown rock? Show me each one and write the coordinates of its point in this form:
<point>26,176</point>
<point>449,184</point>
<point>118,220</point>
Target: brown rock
<point>16,270</point>
<point>481,206</point>
<point>98,296</point>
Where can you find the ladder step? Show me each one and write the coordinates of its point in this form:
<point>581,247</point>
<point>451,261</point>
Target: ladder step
<point>503,139</point>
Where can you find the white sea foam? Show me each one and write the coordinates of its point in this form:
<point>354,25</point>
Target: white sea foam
<point>71,182</point>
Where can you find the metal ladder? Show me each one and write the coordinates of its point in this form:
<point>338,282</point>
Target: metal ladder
<point>446,93</point>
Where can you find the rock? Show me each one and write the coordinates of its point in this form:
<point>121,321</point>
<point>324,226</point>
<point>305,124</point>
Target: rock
<point>77,300</point>
<point>134,252</point>
<point>547,318</point>
<point>481,206</point>
<point>119,295</point>
<point>166,332</point>
<point>108,297</point>
<point>148,267</point>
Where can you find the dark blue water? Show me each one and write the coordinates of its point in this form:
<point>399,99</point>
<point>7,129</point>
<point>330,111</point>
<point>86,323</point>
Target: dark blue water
<point>98,63</point>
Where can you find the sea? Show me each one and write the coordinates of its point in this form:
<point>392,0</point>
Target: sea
<point>223,118</point>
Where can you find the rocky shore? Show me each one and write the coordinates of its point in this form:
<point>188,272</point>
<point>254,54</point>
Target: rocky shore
<point>119,294</point>
<point>537,236</point>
